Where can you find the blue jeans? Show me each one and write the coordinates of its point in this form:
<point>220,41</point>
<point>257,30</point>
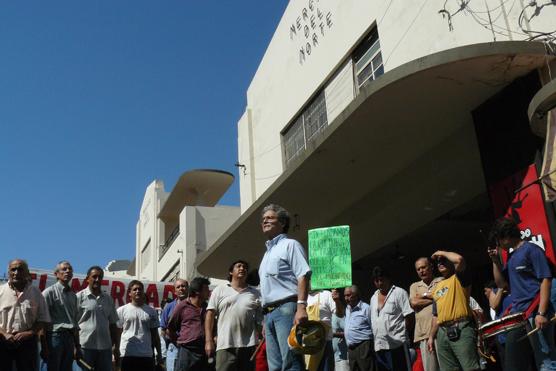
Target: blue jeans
<point>61,348</point>
<point>100,360</point>
<point>278,325</point>
<point>171,356</point>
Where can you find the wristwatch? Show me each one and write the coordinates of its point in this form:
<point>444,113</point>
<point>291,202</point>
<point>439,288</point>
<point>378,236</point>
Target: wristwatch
<point>541,314</point>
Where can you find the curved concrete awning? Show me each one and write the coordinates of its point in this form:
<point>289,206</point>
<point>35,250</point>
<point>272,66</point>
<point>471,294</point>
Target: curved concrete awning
<point>202,187</point>
<point>542,102</point>
<point>401,154</point>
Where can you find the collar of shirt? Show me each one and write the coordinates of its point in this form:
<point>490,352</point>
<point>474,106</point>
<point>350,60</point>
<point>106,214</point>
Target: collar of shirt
<point>270,243</point>
<point>356,306</point>
<point>62,287</point>
<point>11,286</point>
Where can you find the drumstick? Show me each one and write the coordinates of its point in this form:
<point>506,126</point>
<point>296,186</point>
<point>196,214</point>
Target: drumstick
<point>256,351</point>
<point>535,330</point>
<point>85,364</point>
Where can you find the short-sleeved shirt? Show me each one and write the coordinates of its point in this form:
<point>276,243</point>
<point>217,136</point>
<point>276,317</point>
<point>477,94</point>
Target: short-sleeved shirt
<point>238,313</point>
<point>327,307</point>
<point>189,322</point>
<point>358,324</point>
<point>62,306</point>
<point>284,262</point>
<point>451,300</point>
<point>339,344</point>
<point>136,323</point>
<point>20,312</point>
<point>95,315</point>
<point>388,323</point>
<point>423,317</point>
<point>167,313</point>
<point>525,269</point>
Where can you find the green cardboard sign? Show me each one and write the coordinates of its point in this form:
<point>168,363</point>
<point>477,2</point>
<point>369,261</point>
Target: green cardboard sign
<point>330,257</point>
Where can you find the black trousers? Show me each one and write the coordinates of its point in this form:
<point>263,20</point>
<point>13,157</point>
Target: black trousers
<point>362,357</point>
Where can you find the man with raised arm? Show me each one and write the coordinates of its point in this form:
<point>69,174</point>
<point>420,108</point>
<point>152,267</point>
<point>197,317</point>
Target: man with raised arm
<point>527,275</point>
<point>285,277</point>
<point>23,315</point>
<point>452,321</point>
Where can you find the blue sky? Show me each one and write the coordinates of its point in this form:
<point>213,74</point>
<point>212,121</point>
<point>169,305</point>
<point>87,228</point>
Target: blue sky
<point>98,99</point>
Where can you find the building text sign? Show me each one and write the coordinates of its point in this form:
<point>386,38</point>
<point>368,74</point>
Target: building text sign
<point>330,257</point>
<point>309,27</point>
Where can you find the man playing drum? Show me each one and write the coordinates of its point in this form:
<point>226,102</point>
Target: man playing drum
<point>529,277</point>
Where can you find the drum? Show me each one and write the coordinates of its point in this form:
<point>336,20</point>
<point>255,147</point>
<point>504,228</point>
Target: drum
<point>502,325</point>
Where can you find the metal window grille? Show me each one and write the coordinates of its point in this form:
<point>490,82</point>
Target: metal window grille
<point>367,59</point>
<point>310,122</point>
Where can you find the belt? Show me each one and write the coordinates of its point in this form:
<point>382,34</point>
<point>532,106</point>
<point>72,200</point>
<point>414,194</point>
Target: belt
<point>455,322</point>
<point>353,346</point>
<point>271,306</point>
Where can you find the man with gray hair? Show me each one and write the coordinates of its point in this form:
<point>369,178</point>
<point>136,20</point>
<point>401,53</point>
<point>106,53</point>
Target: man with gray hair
<point>24,315</point>
<point>61,343</point>
<point>285,277</point>
<point>358,332</point>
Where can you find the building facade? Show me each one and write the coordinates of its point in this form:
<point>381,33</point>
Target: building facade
<point>402,119</point>
<point>174,227</point>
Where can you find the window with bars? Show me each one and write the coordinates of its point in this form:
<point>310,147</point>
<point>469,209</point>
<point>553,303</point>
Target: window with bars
<point>367,59</point>
<point>308,124</point>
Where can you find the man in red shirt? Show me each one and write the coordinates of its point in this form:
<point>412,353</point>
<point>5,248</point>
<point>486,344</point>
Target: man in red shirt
<point>188,319</point>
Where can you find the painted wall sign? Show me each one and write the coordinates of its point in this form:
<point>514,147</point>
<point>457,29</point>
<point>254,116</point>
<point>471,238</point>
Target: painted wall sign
<point>115,287</point>
<point>330,257</point>
<point>309,28</point>
<point>525,207</point>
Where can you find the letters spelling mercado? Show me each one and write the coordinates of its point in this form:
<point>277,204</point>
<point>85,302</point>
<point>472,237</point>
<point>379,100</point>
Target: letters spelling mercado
<point>330,257</point>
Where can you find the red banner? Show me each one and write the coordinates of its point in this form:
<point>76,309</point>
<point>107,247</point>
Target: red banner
<point>115,287</point>
<point>526,207</point>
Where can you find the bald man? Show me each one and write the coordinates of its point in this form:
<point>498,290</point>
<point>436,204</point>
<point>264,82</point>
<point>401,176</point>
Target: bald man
<point>24,315</point>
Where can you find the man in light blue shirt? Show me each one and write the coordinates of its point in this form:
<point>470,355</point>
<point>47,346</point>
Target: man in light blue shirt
<point>285,277</point>
<point>358,332</point>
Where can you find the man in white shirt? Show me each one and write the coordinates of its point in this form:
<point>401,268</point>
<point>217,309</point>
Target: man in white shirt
<point>238,309</point>
<point>391,320</point>
<point>139,324</point>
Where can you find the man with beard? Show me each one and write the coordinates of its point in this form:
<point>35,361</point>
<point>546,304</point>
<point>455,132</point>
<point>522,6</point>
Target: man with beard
<point>420,299</point>
<point>452,321</point>
<point>97,318</point>
<point>238,310</point>
<point>61,343</point>
<point>139,324</point>
<point>180,288</point>
<point>24,315</point>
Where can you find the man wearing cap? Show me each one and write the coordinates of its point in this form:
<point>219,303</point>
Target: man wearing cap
<point>24,315</point>
<point>452,321</point>
<point>358,332</point>
<point>391,317</point>
<point>62,337</point>
<point>238,310</point>
<point>180,288</point>
<point>420,299</point>
<point>285,277</point>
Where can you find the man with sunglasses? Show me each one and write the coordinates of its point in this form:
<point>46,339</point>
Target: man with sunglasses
<point>452,321</point>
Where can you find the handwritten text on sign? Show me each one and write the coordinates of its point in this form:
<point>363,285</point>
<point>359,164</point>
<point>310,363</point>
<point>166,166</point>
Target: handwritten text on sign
<point>330,257</point>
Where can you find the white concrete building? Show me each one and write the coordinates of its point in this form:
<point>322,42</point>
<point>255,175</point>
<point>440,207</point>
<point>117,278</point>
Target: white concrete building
<point>378,114</point>
<point>175,226</point>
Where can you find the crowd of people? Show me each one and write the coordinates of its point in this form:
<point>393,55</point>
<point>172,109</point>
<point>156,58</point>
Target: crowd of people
<point>282,324</point>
